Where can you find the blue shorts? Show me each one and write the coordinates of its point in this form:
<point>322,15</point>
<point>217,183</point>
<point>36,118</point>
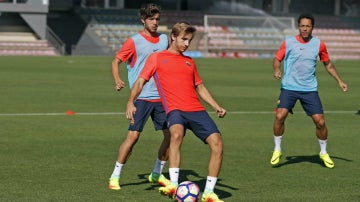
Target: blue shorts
<point>200,123</point>
<point>310,101</point>
<point>144,110</point>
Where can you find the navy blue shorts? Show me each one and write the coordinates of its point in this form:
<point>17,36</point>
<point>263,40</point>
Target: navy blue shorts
<point>200,123</point>
<point>144,110</point>
<point>310,101</point>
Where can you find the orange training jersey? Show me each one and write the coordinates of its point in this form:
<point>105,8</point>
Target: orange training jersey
<point>176,78</point>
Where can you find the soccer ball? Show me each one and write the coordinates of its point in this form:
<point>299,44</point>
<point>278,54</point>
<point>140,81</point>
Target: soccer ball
<point>187,192</point>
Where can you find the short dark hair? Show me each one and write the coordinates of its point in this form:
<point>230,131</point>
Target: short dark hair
<point>307,16</point>
<point>149,10</point>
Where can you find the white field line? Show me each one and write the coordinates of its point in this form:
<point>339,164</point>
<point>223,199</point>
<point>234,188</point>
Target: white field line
<point>123,113</point>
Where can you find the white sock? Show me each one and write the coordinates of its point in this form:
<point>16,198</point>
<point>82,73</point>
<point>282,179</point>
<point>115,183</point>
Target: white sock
<point>174,175</point>
<point>210,184</point>
<point>323,144</point>
<point>162,164</point>
<point>159,165</point>
<point>117,170</point>
<point>277,141</point>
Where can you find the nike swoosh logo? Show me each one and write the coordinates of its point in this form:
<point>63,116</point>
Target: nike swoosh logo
<point>275,159</point>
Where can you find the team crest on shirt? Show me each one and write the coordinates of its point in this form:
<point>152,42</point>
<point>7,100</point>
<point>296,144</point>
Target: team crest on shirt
<point>188,63</point>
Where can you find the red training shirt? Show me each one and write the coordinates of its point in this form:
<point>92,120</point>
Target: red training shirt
<point>176,78</point>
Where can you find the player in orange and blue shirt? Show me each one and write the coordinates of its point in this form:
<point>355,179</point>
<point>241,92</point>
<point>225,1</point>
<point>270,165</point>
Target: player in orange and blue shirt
<point>135,51</point>
<point>299,82</point>
<point>179,85</point>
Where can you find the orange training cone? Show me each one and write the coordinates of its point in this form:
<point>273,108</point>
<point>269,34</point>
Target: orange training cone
<point>70,112</point>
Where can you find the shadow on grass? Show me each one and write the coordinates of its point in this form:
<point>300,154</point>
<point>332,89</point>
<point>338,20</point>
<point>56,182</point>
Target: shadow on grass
<point>186,175</point>
<point>311,159</point>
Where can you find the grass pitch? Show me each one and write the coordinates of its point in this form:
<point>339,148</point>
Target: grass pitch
<point>49,156</point>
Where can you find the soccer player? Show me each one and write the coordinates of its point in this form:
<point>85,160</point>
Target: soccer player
<point>179,85</point>
<point>136,50</point>
<point>299,82</point>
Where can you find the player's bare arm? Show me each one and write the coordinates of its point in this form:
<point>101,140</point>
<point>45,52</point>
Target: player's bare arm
<point>135,92</point>
<point>277,71</point>
<point>115,65</point>
<point>330,68</point>
<point>207,97</point>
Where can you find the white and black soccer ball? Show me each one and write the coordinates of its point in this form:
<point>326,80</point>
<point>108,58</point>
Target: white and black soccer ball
<point>187,191</point>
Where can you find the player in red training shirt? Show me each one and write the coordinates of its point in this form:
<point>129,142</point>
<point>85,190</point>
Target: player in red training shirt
<point>179,85</point>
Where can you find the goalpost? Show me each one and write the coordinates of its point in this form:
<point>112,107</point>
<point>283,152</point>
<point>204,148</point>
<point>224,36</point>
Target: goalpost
<point>240,24</point>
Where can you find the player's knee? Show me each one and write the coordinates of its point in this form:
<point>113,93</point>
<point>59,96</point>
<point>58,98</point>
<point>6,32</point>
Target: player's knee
<point>215,142</point>
<point>218,145</point>
<point>176,137</point>
<point>320,123</point>
<point>280,117</point>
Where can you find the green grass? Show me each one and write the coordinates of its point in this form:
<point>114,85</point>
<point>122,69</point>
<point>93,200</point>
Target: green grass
<point>48,156</point>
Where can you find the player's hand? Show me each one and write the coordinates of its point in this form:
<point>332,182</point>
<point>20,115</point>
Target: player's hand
<point>277,75</point>
<point>343,86</point>
<point>221,112</point>
<point>130,111</point>
<point>119,85</point>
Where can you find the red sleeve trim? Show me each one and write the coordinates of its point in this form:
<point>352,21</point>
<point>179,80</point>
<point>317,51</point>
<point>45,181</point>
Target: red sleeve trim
<point>323,54</point>
<point>126,51</point>
<point>280,54</point>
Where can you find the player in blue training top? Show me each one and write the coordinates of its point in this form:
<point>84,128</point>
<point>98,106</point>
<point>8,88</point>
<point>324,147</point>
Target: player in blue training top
<point>136,50</point>
<point>299,82</point>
